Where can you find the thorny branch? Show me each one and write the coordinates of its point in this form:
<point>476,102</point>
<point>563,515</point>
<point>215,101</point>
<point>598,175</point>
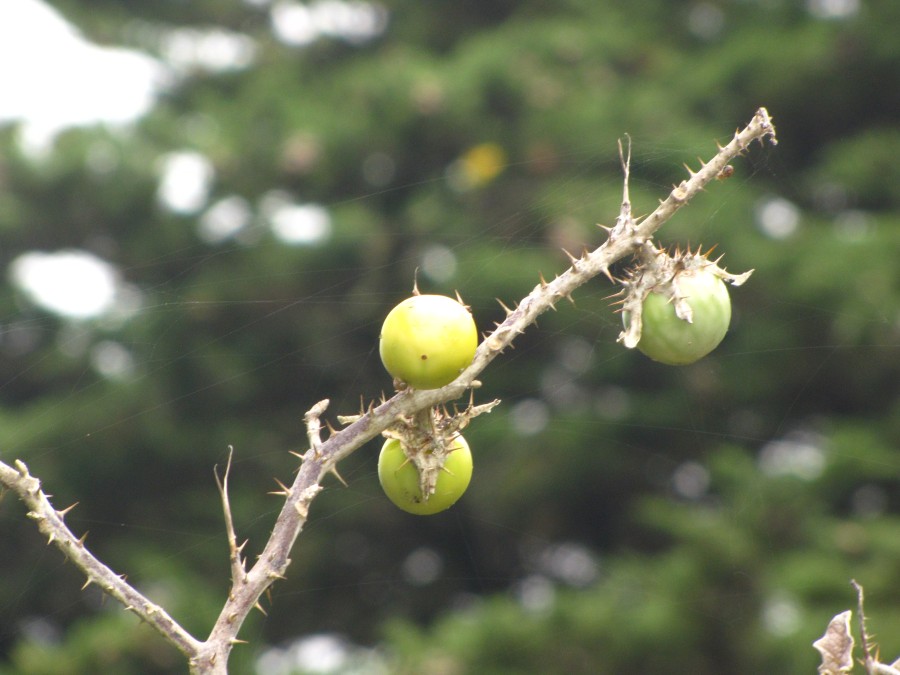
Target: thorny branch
<point>626,238</point>
<point>837,644</point>
<point>52,525</point>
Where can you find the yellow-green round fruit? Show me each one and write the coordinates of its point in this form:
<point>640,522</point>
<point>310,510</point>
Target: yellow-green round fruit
<point>399,478</point>
<point>675,342</point>
<point>427,340</point>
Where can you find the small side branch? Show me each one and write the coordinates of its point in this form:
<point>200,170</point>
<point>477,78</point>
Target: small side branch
<point>52,525</point>
<point>238,571</point>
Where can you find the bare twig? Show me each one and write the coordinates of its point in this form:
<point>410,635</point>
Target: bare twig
<point>51,524</point>
<point>626,238</point>
<point>238,571</point>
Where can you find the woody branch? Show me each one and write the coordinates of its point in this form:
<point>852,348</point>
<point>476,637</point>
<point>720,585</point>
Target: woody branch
<point>625,238</point>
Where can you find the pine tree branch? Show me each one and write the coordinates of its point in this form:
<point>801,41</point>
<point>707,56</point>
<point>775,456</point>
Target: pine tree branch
<point>626,238</point>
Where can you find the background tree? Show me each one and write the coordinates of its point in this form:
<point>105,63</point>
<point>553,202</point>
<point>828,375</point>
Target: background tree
<point>623,517</point>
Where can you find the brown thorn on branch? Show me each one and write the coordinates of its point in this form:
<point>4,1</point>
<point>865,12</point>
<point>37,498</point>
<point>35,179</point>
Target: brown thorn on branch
<point>62,514</point>
<point>505,308</point>
<point>333,470</point>
<point>283,492</point>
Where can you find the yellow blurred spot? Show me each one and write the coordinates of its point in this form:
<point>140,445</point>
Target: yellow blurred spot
<point>479,165</point>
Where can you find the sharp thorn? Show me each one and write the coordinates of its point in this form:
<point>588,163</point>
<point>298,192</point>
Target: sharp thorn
<point>338,476</point>
<point>461,301</point>
<point>62,514</point>
<point>284,492</point>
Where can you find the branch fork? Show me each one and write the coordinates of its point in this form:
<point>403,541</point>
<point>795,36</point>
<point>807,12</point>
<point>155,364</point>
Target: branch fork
<point>209,657</point>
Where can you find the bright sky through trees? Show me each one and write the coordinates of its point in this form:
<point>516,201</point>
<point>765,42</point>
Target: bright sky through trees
<point>65,80</point>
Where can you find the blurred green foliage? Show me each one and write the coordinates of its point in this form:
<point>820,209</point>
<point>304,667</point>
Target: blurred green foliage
<point>624,517</point>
